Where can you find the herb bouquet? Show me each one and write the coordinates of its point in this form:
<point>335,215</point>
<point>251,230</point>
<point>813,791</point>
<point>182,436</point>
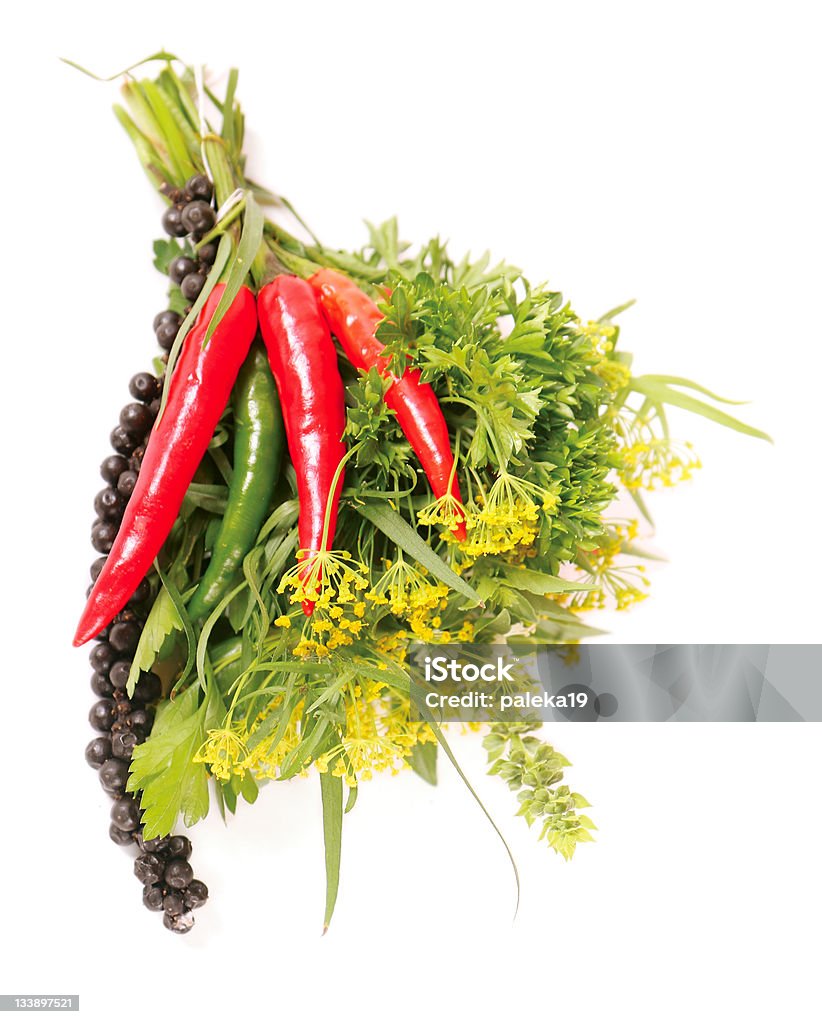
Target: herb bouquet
<point>340,453</point>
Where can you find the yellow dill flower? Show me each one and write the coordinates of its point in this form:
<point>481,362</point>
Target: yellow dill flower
<point>445,511</point>
<point>224,752</point>
<point>654,461</point>
<point>466,633</point>
<point>305,648</point>
<point>625,583</point>
<point>265,757</point>
<point>397,585</point>
<point>331,581</point>
<point>507,517</point>
<point>323,577</point>
<point>395,645</point>
<point>314,642</point>
<point>615,375</point>
<point>602,334</point>
<point>377,735</point>
<point>282,620</point>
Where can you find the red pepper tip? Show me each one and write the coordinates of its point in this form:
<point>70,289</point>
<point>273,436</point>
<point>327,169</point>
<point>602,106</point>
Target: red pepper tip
<point>308,608</point>
<point>460,532</point>
<point>84,634</point>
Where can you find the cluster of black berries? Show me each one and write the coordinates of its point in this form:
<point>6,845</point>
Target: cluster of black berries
<point>125,721</point>
<point>190,214</point>
<point>168,880</point>
<point>128,439</point>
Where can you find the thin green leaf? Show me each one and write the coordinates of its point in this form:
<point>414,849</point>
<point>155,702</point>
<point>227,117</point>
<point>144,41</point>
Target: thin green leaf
<point>150,160</point>
<point>612,313</point>
<point>660,393</point>
<point>393,525</point>
<point>180,96</point>
<point>147,123</point>
<point>210,497</point>
<point>638,551</point>
<point>218,796</point>
<point>332,793</point>
<point>172,134</point>
<point>180,607</point>
<point>179,112</point>
<point>419,698</point>
<point>228,109</point>
<point>423,760</point>
<point>160,55</point>
<point>205,634</point>
<point>683,382</point>
<point>639,501</point>
<point>540,582</point>
<point>250,239</point>
<point>230,797</point>
<point>313,742</point>
<point>249,789</point>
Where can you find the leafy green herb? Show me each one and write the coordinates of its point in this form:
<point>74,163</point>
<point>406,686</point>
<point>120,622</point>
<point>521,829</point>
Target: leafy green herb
<point>423,759</point>
<point>163,767</point>
<point>163,621</point>
<point>535,771</point>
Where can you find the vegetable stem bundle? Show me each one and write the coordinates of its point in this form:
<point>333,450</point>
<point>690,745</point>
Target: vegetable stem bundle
<point>456,439</point>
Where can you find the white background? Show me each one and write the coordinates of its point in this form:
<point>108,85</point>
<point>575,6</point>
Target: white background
<point>667,152</point>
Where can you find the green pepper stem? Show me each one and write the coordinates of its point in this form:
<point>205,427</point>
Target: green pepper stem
<point>293,263</point>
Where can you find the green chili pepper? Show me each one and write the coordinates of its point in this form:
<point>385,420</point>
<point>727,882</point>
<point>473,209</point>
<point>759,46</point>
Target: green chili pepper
<point>258,450</point>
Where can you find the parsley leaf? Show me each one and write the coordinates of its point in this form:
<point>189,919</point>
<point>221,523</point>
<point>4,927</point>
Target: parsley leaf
<point>164,769</point>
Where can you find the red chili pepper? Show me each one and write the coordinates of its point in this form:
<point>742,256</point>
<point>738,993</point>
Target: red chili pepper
<point>353,318</point>
<point>198,393</point>
<point>304,363</point>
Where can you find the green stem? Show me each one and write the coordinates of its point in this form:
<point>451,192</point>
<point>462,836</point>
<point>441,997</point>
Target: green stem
<point>220,227</point>
<point>150,160</point>
<point>220,167</point>
<point>292,262</point>
<point>334,482</point>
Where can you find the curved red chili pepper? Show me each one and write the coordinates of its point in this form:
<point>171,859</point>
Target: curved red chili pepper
<point>304,363</point>
<point>353,318</point>
<point>198,393</point>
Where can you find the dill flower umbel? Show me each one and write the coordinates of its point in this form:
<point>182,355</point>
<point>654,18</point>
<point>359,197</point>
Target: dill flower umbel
<point>332,581</point>
<point>506,518</point>
<point>445,511</point>
<point>648,459</point>
<point>378,734</point>
<point>410,595</point>
<point>224,751</point>
<point>626,583</point>
<point>266,755</point>
<point>654,461</point>
<point>332,575</point>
